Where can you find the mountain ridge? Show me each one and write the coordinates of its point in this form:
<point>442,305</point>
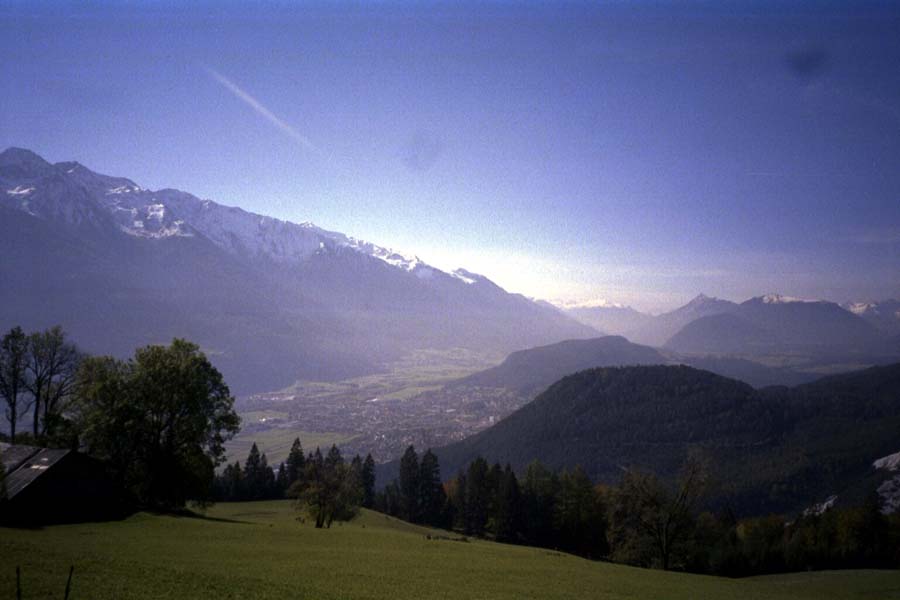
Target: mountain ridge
<point>270,301</point>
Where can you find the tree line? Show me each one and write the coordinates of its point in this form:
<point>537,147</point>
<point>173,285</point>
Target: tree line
<point>642,521</point>
<point>158,421</point>
<point>324,486</point>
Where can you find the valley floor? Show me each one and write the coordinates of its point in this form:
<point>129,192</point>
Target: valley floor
<point>260,550</point>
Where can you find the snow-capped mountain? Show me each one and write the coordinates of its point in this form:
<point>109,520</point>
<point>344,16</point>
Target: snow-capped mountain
<point>271,301</point>
<point>884,315</point>
<point>166,213</point>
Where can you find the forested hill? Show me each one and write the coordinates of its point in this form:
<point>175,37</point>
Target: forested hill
<point>775,449</point>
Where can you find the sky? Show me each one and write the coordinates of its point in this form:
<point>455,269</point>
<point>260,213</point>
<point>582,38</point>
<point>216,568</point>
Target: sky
<point>628,152</point>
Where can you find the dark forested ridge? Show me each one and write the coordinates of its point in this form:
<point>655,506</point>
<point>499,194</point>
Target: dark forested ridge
<point>774,449</point>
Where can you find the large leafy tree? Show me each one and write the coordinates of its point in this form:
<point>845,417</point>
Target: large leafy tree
<point>162,419</point>
<point>329,489</point>
<point>652,523</point>
<point>52,368</point>
<point>13,362</point>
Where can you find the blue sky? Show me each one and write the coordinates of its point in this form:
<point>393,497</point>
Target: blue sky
<point>638,153</point>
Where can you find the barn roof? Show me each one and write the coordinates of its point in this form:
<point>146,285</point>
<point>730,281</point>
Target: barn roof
<point>24,464</point>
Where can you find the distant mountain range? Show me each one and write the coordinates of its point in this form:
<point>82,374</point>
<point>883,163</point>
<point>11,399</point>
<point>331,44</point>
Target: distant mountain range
<point>762,326</point>
<point>771,450</point>
<point>119,266</point>
<point>611,319</point>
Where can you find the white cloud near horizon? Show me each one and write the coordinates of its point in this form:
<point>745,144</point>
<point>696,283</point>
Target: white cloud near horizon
<point>261,110</point>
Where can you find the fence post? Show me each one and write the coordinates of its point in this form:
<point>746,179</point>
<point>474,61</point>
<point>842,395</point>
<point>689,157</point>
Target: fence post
<point>69,582</point>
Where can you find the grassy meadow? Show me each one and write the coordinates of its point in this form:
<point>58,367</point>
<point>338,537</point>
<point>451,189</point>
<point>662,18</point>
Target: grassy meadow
<point>260,550</point>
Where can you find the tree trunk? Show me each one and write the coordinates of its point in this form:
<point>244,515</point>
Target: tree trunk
<point>37,414</point>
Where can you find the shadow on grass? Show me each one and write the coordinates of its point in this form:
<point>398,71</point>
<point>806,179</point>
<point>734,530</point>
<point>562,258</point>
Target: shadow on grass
<point>185,513</point>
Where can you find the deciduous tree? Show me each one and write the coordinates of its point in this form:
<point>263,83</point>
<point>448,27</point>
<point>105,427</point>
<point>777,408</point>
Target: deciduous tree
<point>13,365</point>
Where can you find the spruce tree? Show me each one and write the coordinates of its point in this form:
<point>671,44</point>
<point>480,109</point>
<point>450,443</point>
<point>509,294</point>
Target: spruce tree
<point>507,521</point>
<point>432,497</point>
<point>266,481</point>
<point>409,485</point>
<point>539,490</point>
<point>477,497</point>
<point>368,481</point>
<point>253,475</point>
<point>281,480</point>
<point>295,463</point>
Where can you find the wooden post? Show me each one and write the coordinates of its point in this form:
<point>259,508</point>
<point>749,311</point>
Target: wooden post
<point>69,582</point>
<point>18,583</point>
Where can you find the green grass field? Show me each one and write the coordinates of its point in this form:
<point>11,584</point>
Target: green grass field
<point>259,550</point>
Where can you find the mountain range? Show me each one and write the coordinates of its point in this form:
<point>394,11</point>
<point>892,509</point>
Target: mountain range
<point>270,301</point>
<point>762,326</point>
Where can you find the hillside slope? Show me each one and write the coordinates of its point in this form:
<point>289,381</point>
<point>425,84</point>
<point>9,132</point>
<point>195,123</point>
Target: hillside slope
<point>259,550</point>
<point>774,449</point>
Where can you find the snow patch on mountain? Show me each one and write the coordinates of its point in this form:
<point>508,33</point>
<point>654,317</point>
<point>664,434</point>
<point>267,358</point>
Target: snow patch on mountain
<point>388,255</point>
<point>20,191</point>
<point>820,507</point>
<point>780,299</point>
<point>889,490</point>
<point>156,211</point>
<point>463,276</point>
<point>859,308</point>
<point>891,462</point>
<point>122,189</point>
<point>467,277</point>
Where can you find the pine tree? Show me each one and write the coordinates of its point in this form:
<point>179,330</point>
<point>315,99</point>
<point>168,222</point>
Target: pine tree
<point>507,522</point>
<point>432,497</point>
<point>281,481</point>
<point>253,475</point>
<point>477,497</point>
<point>295,463</point>
<point>539,489</point>
<point>368,481</point>
<point>233,484</point>
<point>409,485</point>
<point>266,483</point>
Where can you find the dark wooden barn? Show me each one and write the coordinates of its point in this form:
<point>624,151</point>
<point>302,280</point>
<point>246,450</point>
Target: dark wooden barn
<point>44,486</point>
